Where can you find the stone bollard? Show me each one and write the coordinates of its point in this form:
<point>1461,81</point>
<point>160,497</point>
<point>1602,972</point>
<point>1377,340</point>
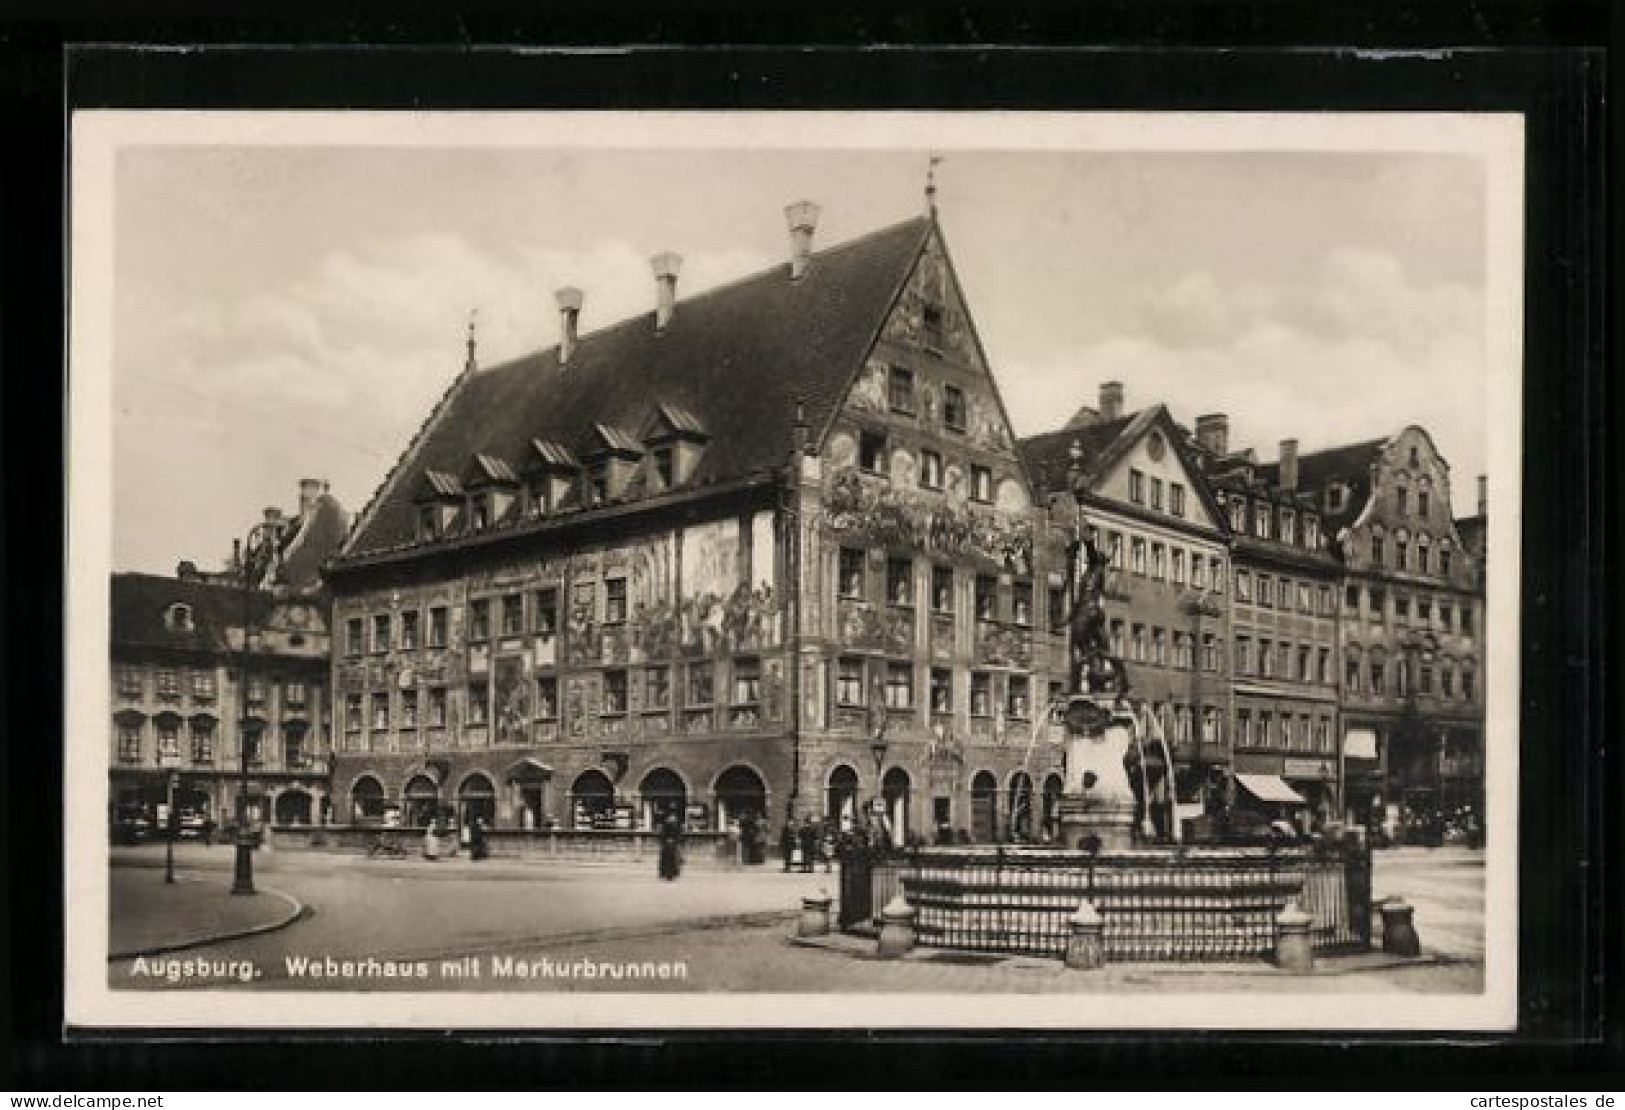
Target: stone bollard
<point>1398,933</point>
<point>814,920</point>
<point>1293,950</point>
<point>1086,946</point>
<point>896,928</point>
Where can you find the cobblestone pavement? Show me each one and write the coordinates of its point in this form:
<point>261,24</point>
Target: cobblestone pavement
<point>730,931</point>
<point>148,913</point>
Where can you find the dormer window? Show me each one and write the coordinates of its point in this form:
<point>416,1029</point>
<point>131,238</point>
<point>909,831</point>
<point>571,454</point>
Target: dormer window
<point>665,466</point>
<point>550,469</point>
<point>428,522</point>
<point>439,497</point>
<point>611,460</point>
<point>1337,496</point>
<point>675,439</point>
<point>493,488</point>
<point>178,617</point>
<point>479,511</point>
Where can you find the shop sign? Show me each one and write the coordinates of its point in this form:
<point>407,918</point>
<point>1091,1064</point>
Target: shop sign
<point>1308,769</point>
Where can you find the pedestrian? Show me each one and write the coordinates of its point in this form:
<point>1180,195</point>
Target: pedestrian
<point>671,849</point>
<point>787,844</point>
<point>808,843</point>
<point>735,846</point>
<point>826,846</point>
<point>477,848</point>
<point>208,832</point>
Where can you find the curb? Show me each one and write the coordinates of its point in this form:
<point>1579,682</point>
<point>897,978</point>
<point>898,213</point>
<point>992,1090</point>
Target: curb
<point>625,932</point>
<point>295,912</point>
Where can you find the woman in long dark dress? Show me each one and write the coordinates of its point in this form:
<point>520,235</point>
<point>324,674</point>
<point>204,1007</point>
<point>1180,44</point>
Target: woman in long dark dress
<point>671,849</point>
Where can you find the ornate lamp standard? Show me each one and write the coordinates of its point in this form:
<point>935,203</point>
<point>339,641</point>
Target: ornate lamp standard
<point>258,549</point>
<point>878,748</point>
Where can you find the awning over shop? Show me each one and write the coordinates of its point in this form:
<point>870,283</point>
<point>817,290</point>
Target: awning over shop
<point>1360,743</point>
<point>1269,788</point>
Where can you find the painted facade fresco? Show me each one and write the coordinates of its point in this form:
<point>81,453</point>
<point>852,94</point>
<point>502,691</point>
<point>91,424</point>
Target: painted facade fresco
<point>879,516</point>
<point>866,626</point>
<point>512,702</point>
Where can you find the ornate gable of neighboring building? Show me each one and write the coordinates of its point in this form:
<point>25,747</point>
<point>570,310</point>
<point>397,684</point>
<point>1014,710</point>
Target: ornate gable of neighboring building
<point>737,360</point>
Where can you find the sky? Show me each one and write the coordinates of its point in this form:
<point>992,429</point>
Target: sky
<point>283,312</point>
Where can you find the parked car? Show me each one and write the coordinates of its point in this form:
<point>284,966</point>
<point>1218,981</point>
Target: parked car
<point>131,825</point>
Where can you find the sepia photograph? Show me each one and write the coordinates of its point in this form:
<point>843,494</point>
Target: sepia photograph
<point>989,570</point>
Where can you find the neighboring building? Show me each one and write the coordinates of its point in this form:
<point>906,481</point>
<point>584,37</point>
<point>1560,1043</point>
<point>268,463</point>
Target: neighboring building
<point>1411,626</point>
<point>716,560</point>
<point>1284,625</point>
<point>1149,507</point>
<point>178,677</point>
<point>178,697</point>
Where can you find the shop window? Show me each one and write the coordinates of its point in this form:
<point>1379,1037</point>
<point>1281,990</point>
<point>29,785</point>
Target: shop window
<point>900,390</point>
<point>900,581</point>
<point>701,684</point>
<point>479,619</point>
<point>409,630</point>
<point>850,583</point>
<point>942,690</point>
<point>547,698</point>
<point>899,686</point>
<point>438,622</point>
<point>872,453</point>
<point>615,601</point>
<point>953,408</point>
<point>479,710</point>
<point>657,688</point>
<point>981,694</point>
<point>614,693</point>
<point>849,682</point>
<point>942,589</point>
<point>930,470</point>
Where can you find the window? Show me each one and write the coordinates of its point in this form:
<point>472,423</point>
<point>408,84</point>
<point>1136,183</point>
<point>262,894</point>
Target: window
<point>409,709</point>
<point>1445,616</point>
<point>1306,599</point>
<point>663,467</point>
<point>1138,642</point>
<point>1378,677</point>
<point>1283,594</point>
<point>251,744</point>
<point>1156,493</point>
<point>1325,596</point>
<point>1179,567</point>
<point>1244,733</point>
<point>1378,601</point>
<point>428,521</point>
<point>1210,652</point>
<point>380,632</point>
<point>1323,735</point>
<point>850,582</point>
<point>872,452</point>
<point>1198,572</point>
<point>1402,678</point>
<point>129,743</point>
<point>1210,726</point>
<point>352,636</point>
<point>986,597</point>
<point>547,698</point>
<point>202,740</point>
<point>1184,656</point>
<point>129,682</point>
<point>1159,647</point>
<point>479,619</point>
<point>1136,487</point>
<point>1303,673</point>
<point>701,688</point>
<point>1467,685</point>
<point>1261,521</point>
<point>981,694</point>
<point>1422,503</point>
<point>930,470</point>
<point>547,612</point>
<point>1466,620</point>
<point>437,707</point>
<point>1215,567</point>
<point>942,589</point>
<point>614,692</point>
<point>1402,496</point>
<point>256,691</point>
<point>1176,499</point>
<point>478,705</point>
<point>1137,555</point>
<point>1424,610</point>
<point>942,690</point>
<point>203,687</point>
<point>657,688</point>
<point>1323,665</point>
<point>169,738</point>
<point>1266,659</point>
<point>1159,562</point>
<point>598,481</point>
<point>294,694</point>
<point>437,627</point>
<point>1266,729</point>
<point>537,499</point>
<point>849,681</point>
<point>981,483</point>
<point>380,711</point>
<point>1021,603</point>
<point>1351,676</point>
<point>513,614</point>
<point>1402,554</point>
<point>899,686</point>
<point>900,390</point>
<point>1444,562</point>
<point>953,408</point>
<point>900,581</point>
<point>615,601</point>
<point>1289,526</point>
<point>1017,699</point>
<point>931,327</point>
<point>1238,515</point>
<point>1351,597</point>
<point>1377,553</point>
<point>1422,555</point>
<point>409,630</point>
<point>1117,638</point>
<point>1424,680</point>
<point>1447,682</point>
<point>1115,540</point>
<point>352,713</point>
<point>1402,608</point>
<point>1057,609</point>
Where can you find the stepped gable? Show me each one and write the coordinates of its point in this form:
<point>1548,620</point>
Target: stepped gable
<point>732,360</point>
<point>141,602</point>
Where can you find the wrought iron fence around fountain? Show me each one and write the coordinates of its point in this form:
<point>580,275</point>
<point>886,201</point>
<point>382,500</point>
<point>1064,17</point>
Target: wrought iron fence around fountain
<point>1158,905</point>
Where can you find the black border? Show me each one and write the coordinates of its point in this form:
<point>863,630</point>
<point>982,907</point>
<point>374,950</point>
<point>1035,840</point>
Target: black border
<point>1563,1029</point>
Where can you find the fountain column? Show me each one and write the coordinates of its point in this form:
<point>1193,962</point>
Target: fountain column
<point>1097,799</point>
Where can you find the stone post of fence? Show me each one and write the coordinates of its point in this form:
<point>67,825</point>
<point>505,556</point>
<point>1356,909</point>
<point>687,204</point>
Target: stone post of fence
<point>1293,951</point>
<point>1398,933</point>
<point>814,921</point>
<point>896,928</point>
<point>1086,944</point>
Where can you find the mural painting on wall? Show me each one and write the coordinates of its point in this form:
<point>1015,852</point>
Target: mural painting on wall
<point>930,285</point>
<point>867,626</point>
<point>719,611</point>
<point>581,701</point>
<point>773,690</point>
<point>581,626</point>
<point>1003,646</point>
<point>869,391</point>
<point>512,691</point>
<point>884,517</point>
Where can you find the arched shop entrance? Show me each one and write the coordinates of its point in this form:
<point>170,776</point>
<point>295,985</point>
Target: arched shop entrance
<point>476,798</point>
<point>592,801</point>
<point>1050,831</point>
<point>1021,807</point>
<point>422,801</point>
<point>528,782</point>
<point>984,807</point>
<point>293,807</point>
<point>894,788</point>
<point>841,806</point>
<point>740,793</point>
<point>661,795</point>
<point>366,800</point>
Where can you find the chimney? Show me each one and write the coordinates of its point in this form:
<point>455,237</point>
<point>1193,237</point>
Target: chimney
<point>665,265</point>
<point>1111,400</point>
<point>802,217</point>
<point>1289,465</point>
<point>1483,495</point>
<point>1213,433</point>
<point>273,516</point>
<point>569,299</point>
<point>309,490</point>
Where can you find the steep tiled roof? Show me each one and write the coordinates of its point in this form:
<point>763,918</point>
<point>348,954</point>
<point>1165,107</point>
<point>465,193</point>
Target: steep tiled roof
<point>318,539</point>
<point>615,439</point>
<point>554,454</point>
<point>681,420</point>
<point>493,470</point>
<point>439,482</point>
<point>733,358</point>
<point>1049,455</point>
<point>141,603</point>
<point>1350,465</point>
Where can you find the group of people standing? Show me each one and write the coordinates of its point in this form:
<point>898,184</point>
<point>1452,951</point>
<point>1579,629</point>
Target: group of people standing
<point>807,843</point>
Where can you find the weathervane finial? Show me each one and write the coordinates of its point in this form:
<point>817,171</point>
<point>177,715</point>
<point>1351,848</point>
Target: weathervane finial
<point>473,320</point>
<point>931,185</point>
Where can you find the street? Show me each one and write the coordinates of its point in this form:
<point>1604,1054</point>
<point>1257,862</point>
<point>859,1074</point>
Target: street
<point>521,922</point>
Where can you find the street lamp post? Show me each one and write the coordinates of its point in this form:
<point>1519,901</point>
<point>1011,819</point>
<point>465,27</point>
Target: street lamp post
<point>257,550</point>
<point>169,823</point>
